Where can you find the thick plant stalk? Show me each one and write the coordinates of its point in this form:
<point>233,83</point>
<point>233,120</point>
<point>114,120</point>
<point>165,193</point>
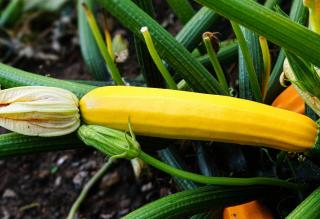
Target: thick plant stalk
<point>13,144</point>
<point>309,208</point>
<point>192,201</point>
<point>14,77</point>
<point>276,28</point>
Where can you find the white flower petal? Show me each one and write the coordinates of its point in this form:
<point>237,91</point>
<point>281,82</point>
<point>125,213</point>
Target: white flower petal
<point>39,110</point>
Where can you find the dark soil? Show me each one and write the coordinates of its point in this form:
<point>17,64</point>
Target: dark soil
<point>46,185</point>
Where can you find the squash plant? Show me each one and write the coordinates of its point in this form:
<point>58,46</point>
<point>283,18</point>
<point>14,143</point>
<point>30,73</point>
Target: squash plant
<point>207,110</point>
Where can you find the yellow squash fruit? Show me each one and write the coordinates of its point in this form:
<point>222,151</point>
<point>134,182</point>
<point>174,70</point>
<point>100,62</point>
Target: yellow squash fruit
<point>187,115</point>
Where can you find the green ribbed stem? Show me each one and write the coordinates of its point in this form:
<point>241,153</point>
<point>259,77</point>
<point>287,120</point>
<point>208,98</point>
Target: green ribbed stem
<point>194,201</point>
<point>13,144</point>
<point>14,77</point>
<point>226,181</point>
<point>309,208</point>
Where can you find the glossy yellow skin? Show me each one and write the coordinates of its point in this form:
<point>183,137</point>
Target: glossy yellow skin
<point>187,115</point>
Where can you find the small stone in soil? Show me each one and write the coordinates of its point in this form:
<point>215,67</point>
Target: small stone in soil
<point>8,193</point>
<point>79,178</point>
<point>125,203</point>
<point>92,164</point>
<point>106,216</point>
<point>123,212</point>
<point>57,182</point>
<point>62,160</point>
<point>43,174</point>
<point>109,180</point>
<point>146,187</point>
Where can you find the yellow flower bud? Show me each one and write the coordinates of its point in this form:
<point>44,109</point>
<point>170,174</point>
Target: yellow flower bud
<point>39,111</point>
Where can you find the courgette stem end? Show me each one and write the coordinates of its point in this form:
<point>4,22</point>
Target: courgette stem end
<point>316,147</point>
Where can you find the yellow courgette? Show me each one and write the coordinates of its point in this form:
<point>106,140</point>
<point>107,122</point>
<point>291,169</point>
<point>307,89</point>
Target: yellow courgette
<point>188,115</point>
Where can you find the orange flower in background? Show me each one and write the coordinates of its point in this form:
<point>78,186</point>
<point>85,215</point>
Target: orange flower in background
<point>253,209</point>
<point>289,99</point>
